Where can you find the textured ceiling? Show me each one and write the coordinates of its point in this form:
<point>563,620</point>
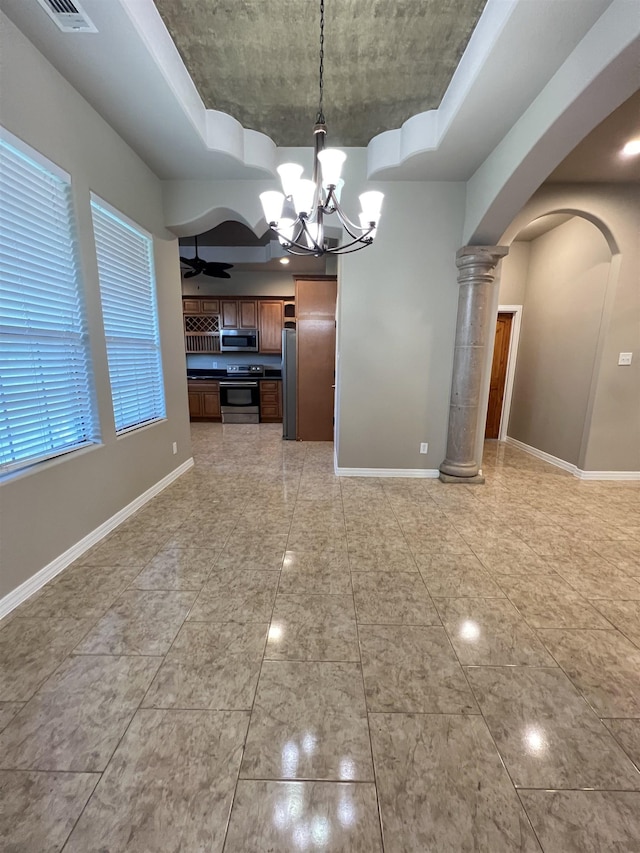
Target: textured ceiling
<point>385,60</point>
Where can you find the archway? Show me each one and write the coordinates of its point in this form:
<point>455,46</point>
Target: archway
<point>559,277</point>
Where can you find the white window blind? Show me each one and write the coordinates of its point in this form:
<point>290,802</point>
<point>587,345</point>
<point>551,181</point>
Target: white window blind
<point>130,316</point>
<point>46,392</point>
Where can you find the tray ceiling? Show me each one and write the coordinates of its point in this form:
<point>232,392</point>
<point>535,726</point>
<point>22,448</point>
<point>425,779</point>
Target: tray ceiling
<point>385,61</point>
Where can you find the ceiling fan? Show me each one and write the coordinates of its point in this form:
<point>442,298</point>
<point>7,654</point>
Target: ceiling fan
<point>215,269</point>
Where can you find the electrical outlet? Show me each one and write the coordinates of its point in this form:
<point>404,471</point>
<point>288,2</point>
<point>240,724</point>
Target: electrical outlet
<point>175,447</point>
<point>424,447</point>
<point>625,358</point>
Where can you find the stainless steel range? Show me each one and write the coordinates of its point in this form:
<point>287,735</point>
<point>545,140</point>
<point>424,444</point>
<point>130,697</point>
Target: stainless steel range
<point>240,394</point>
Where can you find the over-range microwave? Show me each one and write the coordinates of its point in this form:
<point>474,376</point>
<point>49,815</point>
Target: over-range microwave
<point>239,340</point>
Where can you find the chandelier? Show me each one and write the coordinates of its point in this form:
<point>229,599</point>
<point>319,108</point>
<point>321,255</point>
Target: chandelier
<point>297,215</point>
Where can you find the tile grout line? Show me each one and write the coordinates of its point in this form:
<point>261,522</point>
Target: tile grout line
<point>255,695</point>
<point>364,691</point>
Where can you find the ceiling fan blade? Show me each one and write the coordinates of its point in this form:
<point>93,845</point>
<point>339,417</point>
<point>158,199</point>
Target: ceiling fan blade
<point>189,261</point>
<point>216,265</point>
<point>190,274</point>
<point>217,273</point>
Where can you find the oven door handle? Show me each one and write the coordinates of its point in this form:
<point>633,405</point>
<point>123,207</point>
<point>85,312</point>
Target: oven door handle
<point>238,384</point>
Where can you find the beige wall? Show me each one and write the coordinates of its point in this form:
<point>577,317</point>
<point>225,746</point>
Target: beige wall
<point>241,283</point>
<point>47,510</point>
<point>563,305</point>
<point>513,272</point>
<point>396,324</point>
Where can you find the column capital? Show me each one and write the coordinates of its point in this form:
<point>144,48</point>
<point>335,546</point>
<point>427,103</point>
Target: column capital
<point>484,255</point>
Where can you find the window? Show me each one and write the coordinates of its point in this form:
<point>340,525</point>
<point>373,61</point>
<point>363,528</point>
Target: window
<point>46,392</point>
<point>130,316</point>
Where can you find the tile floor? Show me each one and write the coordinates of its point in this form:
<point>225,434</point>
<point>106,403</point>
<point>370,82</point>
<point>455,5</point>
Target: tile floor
<point>268,658</point>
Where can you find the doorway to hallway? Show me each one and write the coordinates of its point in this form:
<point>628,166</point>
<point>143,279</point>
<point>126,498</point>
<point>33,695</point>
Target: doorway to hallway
<point>502,371</point>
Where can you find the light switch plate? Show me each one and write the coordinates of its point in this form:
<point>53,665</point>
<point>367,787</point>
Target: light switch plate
<point>625,358</point>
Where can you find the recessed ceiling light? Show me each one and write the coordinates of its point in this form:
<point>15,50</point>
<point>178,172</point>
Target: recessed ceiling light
<point>284,261</point>
<point>631,148</point>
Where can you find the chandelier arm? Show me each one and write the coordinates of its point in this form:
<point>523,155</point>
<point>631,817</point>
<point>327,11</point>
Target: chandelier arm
<point>342,216</point>
<point>348,248</point>
<point>353,230</point>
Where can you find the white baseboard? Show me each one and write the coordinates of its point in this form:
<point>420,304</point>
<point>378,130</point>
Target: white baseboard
<point>424,473</point>
<point>570,467</point>
<point>607,475</point>
<point>43,576</point>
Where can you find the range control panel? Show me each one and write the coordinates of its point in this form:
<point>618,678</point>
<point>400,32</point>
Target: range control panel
<point>245,370</point>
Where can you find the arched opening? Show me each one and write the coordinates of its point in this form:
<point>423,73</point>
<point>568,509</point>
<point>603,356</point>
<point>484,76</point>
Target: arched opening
<point>552,300</point>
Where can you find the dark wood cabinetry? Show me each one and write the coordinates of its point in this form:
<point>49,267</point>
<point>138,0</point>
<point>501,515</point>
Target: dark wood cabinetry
<point>271,401</point>
<point>239,313</point>
<point>204,400</point>
<point>270,317</point>
<point>205,317</point>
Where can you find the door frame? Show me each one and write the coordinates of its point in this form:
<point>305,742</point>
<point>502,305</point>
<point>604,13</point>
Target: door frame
<point>516,322</point>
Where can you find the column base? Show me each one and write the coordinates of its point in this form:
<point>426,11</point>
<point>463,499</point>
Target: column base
<point>478,480</point>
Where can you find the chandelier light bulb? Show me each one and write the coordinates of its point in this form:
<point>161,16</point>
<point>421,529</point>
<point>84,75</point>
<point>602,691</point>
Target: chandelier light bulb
<point>290,175</point>
<point>272,202</point>
<point>371,205</point>
<point>337,193</point>
<point>365,224</point>
<point>331,160</point>
<point>303,196</point>
<point>286,228</point>
<point>314,234</point>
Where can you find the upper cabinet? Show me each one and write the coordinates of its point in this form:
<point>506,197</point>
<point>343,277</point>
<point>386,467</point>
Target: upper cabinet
<point>205,317</point>
<point>270,315</point>
<point>194,305</point>
<point>239,313</point>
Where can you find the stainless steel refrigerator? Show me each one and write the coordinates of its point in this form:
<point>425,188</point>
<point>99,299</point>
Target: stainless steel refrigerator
<point>289,384</point>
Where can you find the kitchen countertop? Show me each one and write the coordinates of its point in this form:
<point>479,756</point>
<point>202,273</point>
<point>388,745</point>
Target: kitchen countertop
<point>213,373</point>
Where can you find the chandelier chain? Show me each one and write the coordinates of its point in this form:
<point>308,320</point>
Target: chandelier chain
<point>320,118</point>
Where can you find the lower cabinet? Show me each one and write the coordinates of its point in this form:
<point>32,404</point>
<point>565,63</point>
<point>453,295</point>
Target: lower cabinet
<point>270,401</point>
<point>204,400</point>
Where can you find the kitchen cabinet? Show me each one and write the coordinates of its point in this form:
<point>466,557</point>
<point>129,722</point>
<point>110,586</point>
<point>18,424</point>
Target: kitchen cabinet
<point>270,320</point>
<point>201,321</point>
<point>204,400</point>
<point>239,313</point>
<point>210,306</point>
<point>271,401</point>
<point>192,305</point>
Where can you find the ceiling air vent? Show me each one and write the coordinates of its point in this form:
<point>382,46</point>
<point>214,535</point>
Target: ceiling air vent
<point>70,17</point>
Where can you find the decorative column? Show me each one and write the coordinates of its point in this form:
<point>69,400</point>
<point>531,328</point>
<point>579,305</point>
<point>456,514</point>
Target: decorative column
<point>476,266</point>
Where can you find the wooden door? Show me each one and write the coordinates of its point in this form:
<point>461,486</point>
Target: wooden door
<point>498,374</point>
<point>270,326</point>
<point>315,356</point>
